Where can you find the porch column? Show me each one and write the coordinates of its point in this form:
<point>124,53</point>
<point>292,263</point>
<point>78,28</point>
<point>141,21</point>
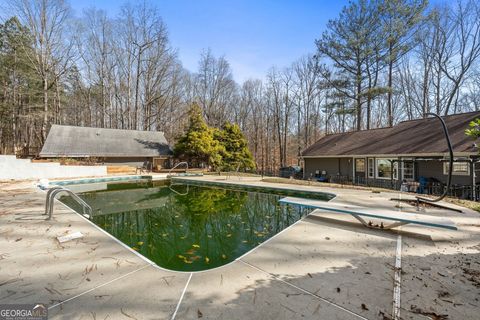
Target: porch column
<point>472,168</point>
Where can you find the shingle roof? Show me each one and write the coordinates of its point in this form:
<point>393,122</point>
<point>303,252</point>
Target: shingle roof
<point>71,141</point>
<point>421,136</point>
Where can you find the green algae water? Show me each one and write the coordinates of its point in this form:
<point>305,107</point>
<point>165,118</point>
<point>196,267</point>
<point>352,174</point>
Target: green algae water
<point>186,227</point>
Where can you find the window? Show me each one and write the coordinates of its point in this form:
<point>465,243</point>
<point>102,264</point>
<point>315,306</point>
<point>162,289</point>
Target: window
<point>385,169</point>
<point>360,165</point>
<point>408,170</point>
<point>459,168</point>
<point>371,168</point>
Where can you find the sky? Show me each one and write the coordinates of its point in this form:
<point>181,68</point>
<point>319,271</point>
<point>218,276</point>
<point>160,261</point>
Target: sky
<point>252,35</point>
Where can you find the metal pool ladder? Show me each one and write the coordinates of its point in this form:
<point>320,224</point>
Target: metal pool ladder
<point>52,193</point>
<point>183,162</point>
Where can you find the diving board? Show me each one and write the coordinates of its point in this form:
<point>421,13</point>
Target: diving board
<point>399,218</point>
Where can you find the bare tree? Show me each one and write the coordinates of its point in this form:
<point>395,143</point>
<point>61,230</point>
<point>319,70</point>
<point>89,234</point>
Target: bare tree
<point>52,54</point>
<point>215,88</point>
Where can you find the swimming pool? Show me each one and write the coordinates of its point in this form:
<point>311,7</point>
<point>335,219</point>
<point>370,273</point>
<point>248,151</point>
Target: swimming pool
<point>190,227</point>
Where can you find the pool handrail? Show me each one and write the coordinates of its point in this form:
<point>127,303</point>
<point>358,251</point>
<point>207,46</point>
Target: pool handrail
<point>175,166</point>
<point>52,193</point>
<point>179,193</point>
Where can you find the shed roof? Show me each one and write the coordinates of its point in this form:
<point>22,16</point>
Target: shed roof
<point>72,141</point>
<point>421,136</point>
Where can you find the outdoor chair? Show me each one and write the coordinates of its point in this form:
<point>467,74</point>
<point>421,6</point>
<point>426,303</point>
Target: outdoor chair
<point>145,168</point>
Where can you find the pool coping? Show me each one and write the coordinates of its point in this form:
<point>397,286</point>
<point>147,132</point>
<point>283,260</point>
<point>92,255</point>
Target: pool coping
<point>246,186</point>
<point>155,265</point>
<point>64,182</point>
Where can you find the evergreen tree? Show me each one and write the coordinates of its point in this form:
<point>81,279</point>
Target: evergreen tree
<point>347,43</point>
<point>400,22</point>
<point>236,153</point>
<point>198,145</point>
<point>20,84</point>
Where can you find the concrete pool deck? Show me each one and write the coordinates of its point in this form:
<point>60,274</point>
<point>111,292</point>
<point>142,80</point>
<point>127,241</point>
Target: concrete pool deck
<point>326,266</point>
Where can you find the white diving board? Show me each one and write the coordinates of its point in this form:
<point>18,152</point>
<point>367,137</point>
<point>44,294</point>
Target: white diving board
<point>399,218</point>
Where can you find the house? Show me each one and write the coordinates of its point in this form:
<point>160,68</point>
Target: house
<point>411,151</point>
<point>108,146</point>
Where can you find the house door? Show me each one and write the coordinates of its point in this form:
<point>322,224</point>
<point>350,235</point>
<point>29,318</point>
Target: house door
<point>360,170</point>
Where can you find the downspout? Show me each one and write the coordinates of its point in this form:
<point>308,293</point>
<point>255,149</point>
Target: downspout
<point>450,167</point>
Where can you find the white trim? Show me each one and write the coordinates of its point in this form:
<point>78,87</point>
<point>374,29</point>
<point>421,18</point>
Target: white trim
<point>392,164</point>
<point>456,173</point>
<point>181,297</point>
<point>99,286</point>
<point>373,167</point>
<point>403,168</point>
<point>397,280</point>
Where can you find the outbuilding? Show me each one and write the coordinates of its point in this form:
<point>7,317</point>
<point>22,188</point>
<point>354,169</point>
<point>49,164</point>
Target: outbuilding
<point>107,146</point>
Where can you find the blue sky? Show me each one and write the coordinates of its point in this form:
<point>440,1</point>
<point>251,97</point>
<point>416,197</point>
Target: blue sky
<point>253,35</point>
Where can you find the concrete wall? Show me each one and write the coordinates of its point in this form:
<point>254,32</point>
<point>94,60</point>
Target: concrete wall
<point>333,166</point>
<point>12,168</point>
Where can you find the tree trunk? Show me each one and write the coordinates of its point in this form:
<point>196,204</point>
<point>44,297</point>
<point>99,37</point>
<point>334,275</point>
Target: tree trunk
<point>45,109</point>
<point>390,93</point>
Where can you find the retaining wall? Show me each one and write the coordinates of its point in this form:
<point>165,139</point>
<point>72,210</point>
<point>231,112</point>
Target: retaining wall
<point>12,168</point>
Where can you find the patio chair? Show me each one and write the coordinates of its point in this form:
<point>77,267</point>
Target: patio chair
<point>145,168</point>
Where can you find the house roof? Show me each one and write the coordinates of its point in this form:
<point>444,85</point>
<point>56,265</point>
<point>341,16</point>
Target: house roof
<point>72,141</point>
<point>421,136</point>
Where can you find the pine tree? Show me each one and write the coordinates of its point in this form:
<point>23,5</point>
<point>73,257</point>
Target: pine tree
<point>198,145</point>
<point>236,154</point>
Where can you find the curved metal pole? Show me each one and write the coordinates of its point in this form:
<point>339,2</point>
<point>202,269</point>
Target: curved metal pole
<point>52,193</point>
<point>450,167</point>
<point>183,162</point>
<point>47,202</point>
<point>179,193</point>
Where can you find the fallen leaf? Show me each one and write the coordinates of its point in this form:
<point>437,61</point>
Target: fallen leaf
<point>195,246</point>
<point>207,260</point>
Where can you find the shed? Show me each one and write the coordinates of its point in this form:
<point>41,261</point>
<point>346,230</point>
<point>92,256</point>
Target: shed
<point>110,146</point>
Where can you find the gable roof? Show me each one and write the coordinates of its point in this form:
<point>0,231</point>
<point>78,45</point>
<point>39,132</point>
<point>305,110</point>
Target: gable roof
<point>72,141</point>
<point>421,136</point>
